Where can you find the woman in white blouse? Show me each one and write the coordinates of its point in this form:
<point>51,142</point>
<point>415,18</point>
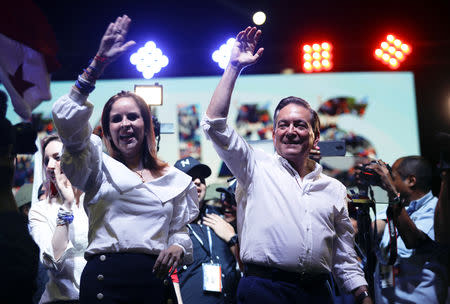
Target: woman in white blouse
<point>137,205</point>
<point>59,226</point>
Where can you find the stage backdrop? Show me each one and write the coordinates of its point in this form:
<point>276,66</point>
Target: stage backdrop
<point>375,110</point>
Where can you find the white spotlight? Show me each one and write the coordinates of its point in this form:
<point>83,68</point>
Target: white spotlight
<point>149,60</point>
<point>222,55</point>
<point>259,18</point>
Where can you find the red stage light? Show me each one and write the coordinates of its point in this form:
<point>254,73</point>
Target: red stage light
<point>317,57</point>
<point>392,51</point>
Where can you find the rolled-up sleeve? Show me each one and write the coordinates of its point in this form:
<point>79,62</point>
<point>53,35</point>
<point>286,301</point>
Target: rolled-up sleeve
<point>185,210</point>
<point>42,234</point>
<point>346,267</point>
<point>232,148</point>
<point>82,155</point>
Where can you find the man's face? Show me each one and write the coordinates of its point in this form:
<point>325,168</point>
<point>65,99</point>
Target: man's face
<point>401,185</point>
<point>293,134</point>
<point>201,188</point>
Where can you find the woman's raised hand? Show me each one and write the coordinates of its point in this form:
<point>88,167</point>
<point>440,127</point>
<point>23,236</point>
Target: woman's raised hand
<point>243,52</point>
<point>113,43</point>
<point>64,186</point>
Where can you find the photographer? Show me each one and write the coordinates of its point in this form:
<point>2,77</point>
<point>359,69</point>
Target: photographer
<point>415,276</point>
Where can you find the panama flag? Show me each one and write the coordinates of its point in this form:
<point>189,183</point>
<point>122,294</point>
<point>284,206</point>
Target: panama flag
<point>27,55</point>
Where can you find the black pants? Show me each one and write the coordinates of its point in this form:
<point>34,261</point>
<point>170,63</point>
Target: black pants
<point>264,285</point>
<point>116,278</point>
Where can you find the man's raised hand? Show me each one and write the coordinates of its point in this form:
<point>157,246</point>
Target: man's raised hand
<point>243,52</point>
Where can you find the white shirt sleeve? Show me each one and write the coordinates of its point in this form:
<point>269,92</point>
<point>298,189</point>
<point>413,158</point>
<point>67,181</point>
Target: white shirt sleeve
<point>82,157</point>
<point>42,233</point>
<point>185,210</point>
<point>232,148</point>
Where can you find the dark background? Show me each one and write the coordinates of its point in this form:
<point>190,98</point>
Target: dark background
<point>189,31</point>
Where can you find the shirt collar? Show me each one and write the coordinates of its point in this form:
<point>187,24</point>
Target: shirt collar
<point>417,204</point>
<point>285,163</point>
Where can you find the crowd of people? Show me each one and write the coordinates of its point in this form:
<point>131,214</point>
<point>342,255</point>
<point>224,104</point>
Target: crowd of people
<point>126,227</point>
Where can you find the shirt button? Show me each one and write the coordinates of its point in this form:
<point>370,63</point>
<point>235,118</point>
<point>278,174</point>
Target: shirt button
<point>308,251</point>
<point>217,257</point>
<point>100,277</point>
<point>307,229</point>
<point>99,296</point>
<point>223,275</point>
<point>102,257</point>
<point>184,267</point>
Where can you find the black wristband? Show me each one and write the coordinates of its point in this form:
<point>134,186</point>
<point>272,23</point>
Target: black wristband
<point>233,241</point>
<point>362,296</point>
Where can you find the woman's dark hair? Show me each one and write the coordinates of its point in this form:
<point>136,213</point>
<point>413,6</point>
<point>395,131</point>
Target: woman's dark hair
<point>149,157</point>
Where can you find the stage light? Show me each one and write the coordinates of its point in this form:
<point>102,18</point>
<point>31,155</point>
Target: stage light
<point>392,52</point>
<point>378,53</point>
<point>405,48</point>
<point>259,18</point>
<point>222,55</point>
<point>316,65</point>
<point>307,67</point>
<point>393,63</point>
<point>399,55</point>
<point>326,46</point>
<point>317,57</point>
<point>149,60</point>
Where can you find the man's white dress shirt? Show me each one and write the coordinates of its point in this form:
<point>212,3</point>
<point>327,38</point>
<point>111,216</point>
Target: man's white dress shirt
<point>125,214</point>
<point>284,221</point>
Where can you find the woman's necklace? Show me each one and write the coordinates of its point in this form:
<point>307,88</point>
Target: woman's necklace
<point>140,174</point>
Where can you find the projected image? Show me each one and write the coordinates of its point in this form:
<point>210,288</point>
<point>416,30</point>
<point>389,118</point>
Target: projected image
<point>254,122</point>
<point>188,131</point>
<point>357,146</point>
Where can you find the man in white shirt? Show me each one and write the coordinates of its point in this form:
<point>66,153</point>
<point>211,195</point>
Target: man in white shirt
<point>292,221</point>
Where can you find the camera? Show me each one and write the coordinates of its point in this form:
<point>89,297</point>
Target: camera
<point>368,176</point>
<point>19,138</point>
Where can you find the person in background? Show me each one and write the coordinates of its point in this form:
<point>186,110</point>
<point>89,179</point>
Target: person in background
<point>417,275</point>
<point>138,206</point>
<point>214,242</point>
<point>59,226</point>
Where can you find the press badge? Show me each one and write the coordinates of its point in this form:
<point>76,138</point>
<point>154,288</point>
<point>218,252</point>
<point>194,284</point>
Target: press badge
<point>212,277</point>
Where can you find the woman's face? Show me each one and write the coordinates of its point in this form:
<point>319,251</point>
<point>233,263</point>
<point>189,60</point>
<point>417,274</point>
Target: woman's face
<point>126,126</point>
<point>52,154</point>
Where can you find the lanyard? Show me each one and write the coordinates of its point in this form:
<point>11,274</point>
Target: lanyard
<point>210,253</point>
